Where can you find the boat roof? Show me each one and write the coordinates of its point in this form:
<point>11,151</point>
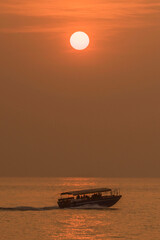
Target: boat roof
<point>87,191</point>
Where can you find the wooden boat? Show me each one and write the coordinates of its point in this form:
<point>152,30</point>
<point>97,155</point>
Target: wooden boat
<point>105,197</point>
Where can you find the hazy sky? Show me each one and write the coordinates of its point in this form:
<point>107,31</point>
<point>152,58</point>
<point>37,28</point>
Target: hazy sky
<point>69,113</point>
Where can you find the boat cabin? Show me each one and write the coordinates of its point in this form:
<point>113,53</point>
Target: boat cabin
<point>88,196</point>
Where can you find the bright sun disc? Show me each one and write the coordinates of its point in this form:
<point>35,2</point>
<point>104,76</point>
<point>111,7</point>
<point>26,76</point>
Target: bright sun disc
<point>79,40</point>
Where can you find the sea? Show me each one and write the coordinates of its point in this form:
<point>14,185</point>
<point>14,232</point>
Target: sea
<point>29,211</point>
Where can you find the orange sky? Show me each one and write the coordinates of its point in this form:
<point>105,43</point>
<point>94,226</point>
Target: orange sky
<point>71,113</point>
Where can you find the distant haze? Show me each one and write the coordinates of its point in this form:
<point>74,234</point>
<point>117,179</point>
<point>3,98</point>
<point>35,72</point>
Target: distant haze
<point>70,113</point>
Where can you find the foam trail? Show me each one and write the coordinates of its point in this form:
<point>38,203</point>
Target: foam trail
<point>90,206</point>
<point>28,208</point>
<point>49,208</point>
<point>94,206</point>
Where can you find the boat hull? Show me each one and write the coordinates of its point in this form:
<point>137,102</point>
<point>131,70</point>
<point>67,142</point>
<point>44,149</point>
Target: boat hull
<point>105,201</point>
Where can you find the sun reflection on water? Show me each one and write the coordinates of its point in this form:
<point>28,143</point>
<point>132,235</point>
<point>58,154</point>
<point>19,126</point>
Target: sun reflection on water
<point>80,224</point>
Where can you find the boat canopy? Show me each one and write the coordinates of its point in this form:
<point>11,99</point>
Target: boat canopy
<point>87,191</point>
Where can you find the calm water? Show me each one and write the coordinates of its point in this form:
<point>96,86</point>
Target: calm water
<point>135,216</point>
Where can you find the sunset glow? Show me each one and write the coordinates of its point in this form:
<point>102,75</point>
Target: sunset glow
<point>79,40</point>
<point>79,88</point>
<point>79,119</point>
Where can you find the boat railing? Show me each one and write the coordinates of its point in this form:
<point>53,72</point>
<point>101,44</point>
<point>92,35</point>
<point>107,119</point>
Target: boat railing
<point>79,197</point>
<point>66,198</point>
<point>115,192</point>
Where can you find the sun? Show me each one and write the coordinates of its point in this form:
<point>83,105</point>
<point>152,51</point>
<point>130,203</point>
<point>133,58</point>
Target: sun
<point>79,40</point>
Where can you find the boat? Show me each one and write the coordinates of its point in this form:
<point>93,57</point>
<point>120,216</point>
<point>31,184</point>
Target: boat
<point>105,197</point>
